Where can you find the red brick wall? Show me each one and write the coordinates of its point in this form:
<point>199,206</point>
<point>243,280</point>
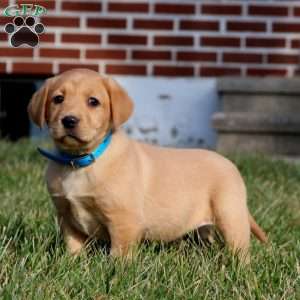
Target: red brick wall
<point>162,38</point>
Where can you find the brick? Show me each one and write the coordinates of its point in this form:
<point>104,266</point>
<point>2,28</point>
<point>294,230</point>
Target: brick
<point>199,25</point>
<point>5,20</point>
<point>47,38</point>
<point>297,11</point>
<point>215,41</point>
<point>266,72</point>
<point>173,71</point>
<point>125,69</point>
<point>151,55</point>
<point>219,71</point>
<point>283,59</point>
<point>220,9</point>
<point>265,42</point>
<point>246,26</point>
<point>296,72</point>
<point>127,39</point>
<point>59,52</point>
<point>153,24</point>
<point>267,10</point>
<point>136,7</point>
<point>166,8</point>
<point>174,40</point>
<point>32,68</point>
<point>17,52</point>
<point>60,21</point>
<point>81,6</point>
<point>196,56</point>
<point>3,36</point>
<point>81,38</point>
<point>4,3</point>
<point>286,27</point>
<point>296,43</point>
<point>2,68</point>
<point>106,22</point>
<point>242,57</point>
<point>105,54</point>
<point>65,67</point>
<point>49,4</point>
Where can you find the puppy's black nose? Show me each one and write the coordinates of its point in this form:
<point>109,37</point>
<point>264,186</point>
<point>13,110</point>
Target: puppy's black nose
<point>70,122</point>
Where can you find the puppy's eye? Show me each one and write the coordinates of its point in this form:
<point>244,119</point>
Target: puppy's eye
<point>92,101</point>
<point>58,99</point>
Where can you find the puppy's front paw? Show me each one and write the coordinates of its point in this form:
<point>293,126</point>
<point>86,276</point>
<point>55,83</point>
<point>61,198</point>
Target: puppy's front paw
<point>74,252</point>
<point>74,247</point>
<point>124,253</point>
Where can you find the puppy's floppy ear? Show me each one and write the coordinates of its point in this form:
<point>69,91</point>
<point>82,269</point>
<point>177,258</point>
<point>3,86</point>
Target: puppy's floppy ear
<point>121,104</point>
<point>37,105</point>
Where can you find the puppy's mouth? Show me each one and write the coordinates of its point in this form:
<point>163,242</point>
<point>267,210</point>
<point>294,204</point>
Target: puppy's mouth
<point>70,137</point>
<point>64,136</point>
<point>74,137</point>
<point>73,141</point>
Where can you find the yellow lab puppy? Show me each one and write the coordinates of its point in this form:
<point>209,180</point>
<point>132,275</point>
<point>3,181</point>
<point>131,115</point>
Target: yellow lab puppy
<point>107,186</point>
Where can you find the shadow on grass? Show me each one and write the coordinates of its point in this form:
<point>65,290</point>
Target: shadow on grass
<point>20,234</point>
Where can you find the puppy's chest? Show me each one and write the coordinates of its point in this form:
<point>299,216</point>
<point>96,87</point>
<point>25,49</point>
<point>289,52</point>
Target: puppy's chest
<point>83,195</point>
<point>77,184</point>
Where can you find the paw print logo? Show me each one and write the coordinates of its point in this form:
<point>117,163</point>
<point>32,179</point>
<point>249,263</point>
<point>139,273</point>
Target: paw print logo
<point>24,31</point>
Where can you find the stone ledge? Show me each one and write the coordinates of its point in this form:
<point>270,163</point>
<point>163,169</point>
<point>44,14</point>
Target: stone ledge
<point>269,85</point>
<point>262,103</point>
<point>256,122</point>
<point>285,144</point>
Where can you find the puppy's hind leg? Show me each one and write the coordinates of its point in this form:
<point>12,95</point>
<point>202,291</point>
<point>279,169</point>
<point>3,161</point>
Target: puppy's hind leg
<point>231,218</point>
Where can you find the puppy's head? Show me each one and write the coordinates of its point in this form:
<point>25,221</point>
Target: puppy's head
<point>79,107</point>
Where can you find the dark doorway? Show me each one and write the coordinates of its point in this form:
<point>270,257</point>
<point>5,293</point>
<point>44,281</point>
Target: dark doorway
<point>15,94</point>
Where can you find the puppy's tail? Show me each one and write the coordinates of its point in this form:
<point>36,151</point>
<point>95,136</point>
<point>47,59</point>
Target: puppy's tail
<point>257,231</point>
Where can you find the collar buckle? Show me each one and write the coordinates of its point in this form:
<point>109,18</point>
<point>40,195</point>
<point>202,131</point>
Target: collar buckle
<point>72,163</point>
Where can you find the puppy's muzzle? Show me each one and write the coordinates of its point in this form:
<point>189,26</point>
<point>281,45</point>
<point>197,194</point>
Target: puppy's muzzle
<point>70,122</point>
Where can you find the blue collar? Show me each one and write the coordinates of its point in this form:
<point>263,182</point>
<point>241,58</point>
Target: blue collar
<point>78,161</point>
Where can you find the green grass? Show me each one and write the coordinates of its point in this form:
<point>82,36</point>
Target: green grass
<point>34,264</point>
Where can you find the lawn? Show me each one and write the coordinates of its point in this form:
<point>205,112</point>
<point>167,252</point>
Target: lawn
<point>34,264</point>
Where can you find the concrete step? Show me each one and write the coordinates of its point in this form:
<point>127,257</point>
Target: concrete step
<point>268,85</point>
<point>256,123</point>
<point>260,115</point>
<point>284,145</point>
<point>261,103</point>
<point>272,95</point>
